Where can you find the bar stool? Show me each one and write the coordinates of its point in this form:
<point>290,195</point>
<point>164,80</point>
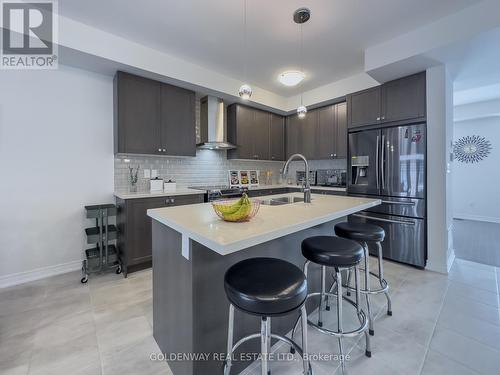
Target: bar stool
<point>340,254</point>
<point>365,233</point>
<point>266,287</point>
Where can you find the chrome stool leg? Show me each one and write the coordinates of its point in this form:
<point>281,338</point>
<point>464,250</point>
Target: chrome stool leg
<point>295,326</point>
<point>367,288</point>
<point>230,331</point>
<point>348,292</point>
<point>322,297</point>
<point>340,329</point>
<point>305,348</point>
<point>368,350</point>
<point>383,283</point>
<point>264,332</point>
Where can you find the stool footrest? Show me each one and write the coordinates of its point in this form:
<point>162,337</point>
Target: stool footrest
<point>364,323</point>
<point>381,290</point>
<point>285,339</point>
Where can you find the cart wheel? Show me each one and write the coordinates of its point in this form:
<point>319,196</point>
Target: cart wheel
<point>119,270</point>
<point>84,279</point>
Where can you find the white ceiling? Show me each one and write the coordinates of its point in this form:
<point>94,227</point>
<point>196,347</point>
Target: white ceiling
<point>210,32</point>
<point>474,65</point>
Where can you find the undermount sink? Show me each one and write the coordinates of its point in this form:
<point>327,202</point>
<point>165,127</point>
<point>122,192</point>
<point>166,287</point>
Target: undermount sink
<point>281,201</point>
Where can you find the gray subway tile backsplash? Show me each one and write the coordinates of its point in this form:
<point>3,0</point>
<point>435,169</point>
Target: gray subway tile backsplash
<point>207,168</point>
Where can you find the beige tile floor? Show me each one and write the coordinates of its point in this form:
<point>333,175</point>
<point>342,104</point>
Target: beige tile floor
<point>441,325</point>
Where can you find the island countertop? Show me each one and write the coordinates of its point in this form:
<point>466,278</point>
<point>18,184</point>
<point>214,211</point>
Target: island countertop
<point>200,223</point>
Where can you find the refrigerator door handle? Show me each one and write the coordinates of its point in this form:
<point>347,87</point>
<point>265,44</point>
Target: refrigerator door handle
<point>377,163</point>
<point>404,222</point>
<point>382,162</point>
<point>400,203</point>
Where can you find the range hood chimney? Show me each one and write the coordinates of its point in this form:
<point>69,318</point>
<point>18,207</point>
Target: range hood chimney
<point>212,129</point>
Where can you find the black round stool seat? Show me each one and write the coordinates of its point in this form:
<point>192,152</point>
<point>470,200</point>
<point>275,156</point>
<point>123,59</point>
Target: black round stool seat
<point>265,286</point>
<point>332,251</point>
<point>360,231</point>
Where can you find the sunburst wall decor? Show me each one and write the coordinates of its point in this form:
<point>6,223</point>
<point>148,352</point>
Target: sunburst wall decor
<point>471,149</point>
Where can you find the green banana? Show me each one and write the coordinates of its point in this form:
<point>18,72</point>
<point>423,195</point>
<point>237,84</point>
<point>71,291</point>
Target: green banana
<point>228,209</point>
<point>243,211</point>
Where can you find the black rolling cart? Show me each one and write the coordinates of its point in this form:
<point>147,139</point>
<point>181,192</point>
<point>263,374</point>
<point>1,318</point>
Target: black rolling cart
<point>104,256</point>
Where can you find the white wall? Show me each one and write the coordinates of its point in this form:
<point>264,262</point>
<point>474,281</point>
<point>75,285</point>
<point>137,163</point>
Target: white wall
<point>476,186</point>
<point>439,172</point>
<point>56,155</point>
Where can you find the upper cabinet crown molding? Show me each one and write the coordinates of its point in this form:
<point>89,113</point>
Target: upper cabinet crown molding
<point>396,101</point>
<point>153,118</point>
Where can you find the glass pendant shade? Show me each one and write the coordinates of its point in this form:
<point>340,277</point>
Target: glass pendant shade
<point>301,111</point>
<point>245,91</point>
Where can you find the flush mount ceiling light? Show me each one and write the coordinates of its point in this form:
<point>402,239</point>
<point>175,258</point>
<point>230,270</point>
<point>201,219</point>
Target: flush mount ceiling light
<point>291,77</point>
<point>301,16</point>
<point>245,91</point>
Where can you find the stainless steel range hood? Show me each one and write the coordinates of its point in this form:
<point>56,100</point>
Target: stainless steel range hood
<point>212,127</point>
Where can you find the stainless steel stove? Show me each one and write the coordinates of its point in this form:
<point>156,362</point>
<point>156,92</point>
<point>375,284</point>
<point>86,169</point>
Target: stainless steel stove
<point>219,192</point>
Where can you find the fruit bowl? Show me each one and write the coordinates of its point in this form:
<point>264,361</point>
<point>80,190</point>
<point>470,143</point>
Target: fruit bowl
<point>236,210</point>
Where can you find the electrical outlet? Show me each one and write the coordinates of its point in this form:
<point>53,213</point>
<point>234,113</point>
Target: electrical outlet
<point>154,173</point>
<point>147,173</point>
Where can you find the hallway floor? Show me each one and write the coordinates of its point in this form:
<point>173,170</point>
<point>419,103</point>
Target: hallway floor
<point>477,241</point>
<point>441,325</point>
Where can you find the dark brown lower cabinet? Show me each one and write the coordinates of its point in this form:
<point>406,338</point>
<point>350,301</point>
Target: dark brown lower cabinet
<point>134,228</point>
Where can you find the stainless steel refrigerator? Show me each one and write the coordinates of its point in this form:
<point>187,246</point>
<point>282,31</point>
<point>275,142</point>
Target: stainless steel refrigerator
<point>390,164</point>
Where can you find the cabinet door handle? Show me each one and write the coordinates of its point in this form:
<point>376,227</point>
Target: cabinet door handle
<point>335,155</point>
<point>331,155</point>
<point>164,150</point>
<point>378,118</point>
<point>383,117</point>
<point>159,150</point>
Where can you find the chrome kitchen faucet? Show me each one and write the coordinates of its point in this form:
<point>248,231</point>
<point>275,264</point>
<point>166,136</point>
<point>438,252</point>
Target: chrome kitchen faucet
<point>307,186</point>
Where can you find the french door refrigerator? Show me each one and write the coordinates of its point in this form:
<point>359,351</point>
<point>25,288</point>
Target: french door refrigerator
<point>390,164</point>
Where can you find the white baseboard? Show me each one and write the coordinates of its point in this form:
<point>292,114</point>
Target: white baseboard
<point>39,273</point>
<point>488,219</point>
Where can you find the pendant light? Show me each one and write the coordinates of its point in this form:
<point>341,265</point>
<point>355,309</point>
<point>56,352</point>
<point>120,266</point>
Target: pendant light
<point>245,91</point>
<point>301,16</point>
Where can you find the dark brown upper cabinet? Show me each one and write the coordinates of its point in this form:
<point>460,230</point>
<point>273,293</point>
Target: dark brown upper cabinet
<point>309,134</point>
<point>326,137</point>
<point>400,100</point>
<point>261,135</point>
<point>332,132</point>
<point>341,131</point>
<point>404,99</point>
<point>178,128</point>
<point>257,134</point>
<point>137,115</point>
<point>321,135</point>
<point>293,135</point>
<point>153,118</point>
<point>277,135</point>
<point>364,107</point>
<point>302,135</point>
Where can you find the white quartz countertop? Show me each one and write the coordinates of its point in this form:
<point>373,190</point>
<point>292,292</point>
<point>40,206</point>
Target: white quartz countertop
<point>200,223</point>
<point>147,194</point>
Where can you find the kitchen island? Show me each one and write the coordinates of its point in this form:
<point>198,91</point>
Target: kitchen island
<point>193,248</point>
